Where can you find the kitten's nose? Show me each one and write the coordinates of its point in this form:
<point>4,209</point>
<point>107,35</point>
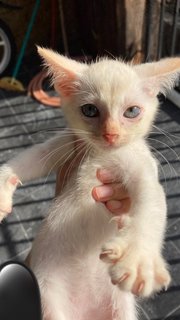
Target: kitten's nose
<point>110,137</point>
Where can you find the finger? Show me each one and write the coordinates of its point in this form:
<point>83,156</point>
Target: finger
<point>105,176</point>
<point>118,207</point>
<point>113,191</point>
<point>102,193</point>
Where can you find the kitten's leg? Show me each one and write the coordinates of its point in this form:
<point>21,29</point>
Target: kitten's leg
<point>134,257</point>
<point>33,163</point>
<point>124,309</point>
<point>124,306</point>
<point>54,304</point>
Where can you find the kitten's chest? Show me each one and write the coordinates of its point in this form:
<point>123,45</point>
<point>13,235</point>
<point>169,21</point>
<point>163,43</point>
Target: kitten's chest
<point>126,165</point>
<point>122,165</point>
<point>82,220</point>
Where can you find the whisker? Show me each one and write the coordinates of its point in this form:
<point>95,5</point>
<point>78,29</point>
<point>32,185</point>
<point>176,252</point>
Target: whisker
<point>69,153</point>
<point>63,131</point>
<point>86,148</point>
<point>172,169</point>
<point>68,170</point>
<point>163,133</point>
<point>54,151</point>
<point>162,169</point>
<point>77,130</point>
<point>85,155</point>
<point>165,144</point>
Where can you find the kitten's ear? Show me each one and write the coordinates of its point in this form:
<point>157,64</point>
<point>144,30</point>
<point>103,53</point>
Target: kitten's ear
<point>159,76</point>
<point>64,71</point>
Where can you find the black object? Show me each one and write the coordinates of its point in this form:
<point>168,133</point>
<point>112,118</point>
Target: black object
<point>9,5</point>
<point>19,293</point>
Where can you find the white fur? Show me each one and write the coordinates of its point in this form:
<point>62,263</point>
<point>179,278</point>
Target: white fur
<point>74,282</point>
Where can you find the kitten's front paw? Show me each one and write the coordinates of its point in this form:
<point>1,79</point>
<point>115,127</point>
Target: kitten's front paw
<point>8,184</point>
<point>135,269</point>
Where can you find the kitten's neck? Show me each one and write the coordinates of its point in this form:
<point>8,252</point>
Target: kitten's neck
<point>96,151</point>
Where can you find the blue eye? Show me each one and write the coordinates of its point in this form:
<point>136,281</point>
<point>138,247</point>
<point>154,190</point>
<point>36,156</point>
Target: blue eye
<point>90,110</point>
<point>132,112</point>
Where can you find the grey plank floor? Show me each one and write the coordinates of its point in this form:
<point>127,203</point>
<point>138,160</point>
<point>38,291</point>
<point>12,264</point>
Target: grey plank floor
<point>23,122</point>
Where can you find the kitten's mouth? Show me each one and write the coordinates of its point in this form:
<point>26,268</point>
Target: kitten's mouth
<point>111,145</point>
<point>99,143</point>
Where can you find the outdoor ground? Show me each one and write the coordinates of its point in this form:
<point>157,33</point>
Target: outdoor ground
<point>24,122</point>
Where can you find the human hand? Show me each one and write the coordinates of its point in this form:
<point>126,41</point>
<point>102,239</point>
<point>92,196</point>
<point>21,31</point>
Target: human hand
<point>114,196</point>
<point>111,193</point>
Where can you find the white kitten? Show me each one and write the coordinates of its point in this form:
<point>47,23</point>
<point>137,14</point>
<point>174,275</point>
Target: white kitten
<point>85,266</point>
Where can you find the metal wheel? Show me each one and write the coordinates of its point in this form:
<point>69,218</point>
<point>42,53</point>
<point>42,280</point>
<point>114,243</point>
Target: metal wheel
<point>7,48</point>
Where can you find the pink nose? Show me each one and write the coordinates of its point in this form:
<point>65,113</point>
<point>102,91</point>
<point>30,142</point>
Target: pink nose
<point>110,137</point>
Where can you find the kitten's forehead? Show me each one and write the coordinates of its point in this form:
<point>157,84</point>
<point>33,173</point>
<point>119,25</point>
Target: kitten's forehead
<point>109,79</point>
<point>111,71</point>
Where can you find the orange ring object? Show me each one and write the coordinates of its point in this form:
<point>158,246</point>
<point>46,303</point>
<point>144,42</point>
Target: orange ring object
<point>36,91</point>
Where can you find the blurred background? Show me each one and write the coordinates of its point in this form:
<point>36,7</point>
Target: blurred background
<point>138,30</point>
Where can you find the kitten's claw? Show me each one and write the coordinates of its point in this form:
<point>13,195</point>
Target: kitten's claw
<point>137,290</point>
<point>14,180</point>
<point>134,269</point>
<point>111,252</point>
<point>121,279</point>
<point>105,254</point>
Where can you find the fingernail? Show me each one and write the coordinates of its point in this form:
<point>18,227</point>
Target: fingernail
<point>103,192</point>
<point>105,175</point>
<point>115,205</point>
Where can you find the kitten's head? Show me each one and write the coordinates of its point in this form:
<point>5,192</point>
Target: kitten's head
<point>112,102</point>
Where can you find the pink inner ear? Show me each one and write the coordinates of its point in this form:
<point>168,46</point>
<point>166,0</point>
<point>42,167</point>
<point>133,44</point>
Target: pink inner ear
<point>150,91</point>
<point>151,87</point>
<point>65,85</point>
